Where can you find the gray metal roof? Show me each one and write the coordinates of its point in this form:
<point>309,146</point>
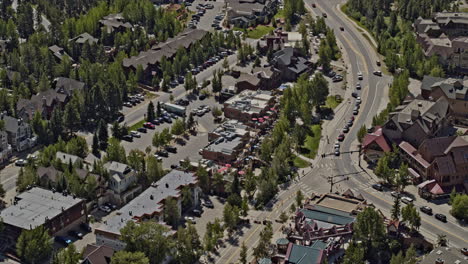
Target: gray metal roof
<point>149,202</point>
<point>66,158</point>
<point>35,206</point>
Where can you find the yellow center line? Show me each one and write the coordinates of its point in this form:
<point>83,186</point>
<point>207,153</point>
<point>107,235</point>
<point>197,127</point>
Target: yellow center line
<point>441,229</point>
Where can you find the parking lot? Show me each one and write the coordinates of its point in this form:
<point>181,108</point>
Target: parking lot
<point>207,19</point>
<point>194,142</point>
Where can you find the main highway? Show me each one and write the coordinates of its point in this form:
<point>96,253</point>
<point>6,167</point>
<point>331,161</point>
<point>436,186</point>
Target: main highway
<point>360,56</point>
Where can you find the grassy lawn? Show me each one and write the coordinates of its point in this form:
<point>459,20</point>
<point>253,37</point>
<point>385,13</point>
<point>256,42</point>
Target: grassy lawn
<point>332,102</point>
<point>259,31</point>
<point>137,125</point>
<point>280,14</point>
<point>300,163</point>
<point>312,142</point>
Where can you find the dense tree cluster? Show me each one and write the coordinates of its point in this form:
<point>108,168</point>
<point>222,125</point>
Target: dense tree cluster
<point>297,104</point>
<point>392,30</point>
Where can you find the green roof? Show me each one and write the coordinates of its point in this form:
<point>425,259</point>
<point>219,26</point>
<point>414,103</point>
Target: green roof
<point>304,255</point>
<point>330,210</point>
<point>319,245</point>
<point>264,261</point>
<point>282,241</point>
<point>327,217</point>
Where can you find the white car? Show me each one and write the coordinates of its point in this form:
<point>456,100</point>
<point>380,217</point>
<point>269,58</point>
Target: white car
<point>406,200</point>
<point>359,76</point>
<point>104,209</point>
<point>135,134</point>
<point>21,162</point>
<point>190,219</point>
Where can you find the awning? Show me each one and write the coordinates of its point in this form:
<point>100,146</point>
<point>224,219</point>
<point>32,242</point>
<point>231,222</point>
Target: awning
<point>413,173</point>
<point>436,189</point>
<point>222,169</point>
<point>424,184</point>
<point>254,119</point>
<point>266,117</point>
<point>241,172</point>
<point>228,165</point>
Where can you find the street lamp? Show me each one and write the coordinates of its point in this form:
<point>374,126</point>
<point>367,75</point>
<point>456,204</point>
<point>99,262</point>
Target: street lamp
<point>359,155</point>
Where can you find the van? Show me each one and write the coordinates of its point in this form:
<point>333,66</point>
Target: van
<point>406,200</point>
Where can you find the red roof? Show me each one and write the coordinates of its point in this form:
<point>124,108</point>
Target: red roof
<point>436,189</point>
<point>377,137</point>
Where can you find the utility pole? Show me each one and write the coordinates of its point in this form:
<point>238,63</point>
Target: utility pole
<point>330,180</point>
<point>359,155</point>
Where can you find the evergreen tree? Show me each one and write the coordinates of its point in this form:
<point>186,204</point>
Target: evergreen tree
<point>150,112</point>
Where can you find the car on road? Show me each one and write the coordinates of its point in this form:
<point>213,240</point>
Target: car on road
<point>65,241</point>
<point>341,137</point>
<point>314,5</point>
<point>378,63</point>
<point>441,217</point>
<point>171,149</point>
<point>406,200</point>
<point>426,210</point>
<point>342,28</point>
<point>128,138</point>
<point>75,234</point>
<point>163,153</point>
<point>142,130</point>
<point>359,76</point>
<point>337,78</point>
<point>135,134</point>
<point>324,15</point>
<point>207,203</point>
<point>337,152</point>
<point>345,129</point>
<point>21,163</point>
<point>337,145</point>
<point>197,212</point>
<point>395,194</point>
<point>111,206</point>
<point>331,74</point>
<point>148,125</point>
<point>202,97</point>
<point>377,187</point>
<point>358,86</point>
<point>355,112</point>
<point>105,209</point>
<point>127,104</point>
<point>189,219</point>
<point>167,118</point>
<point>358,101</point>
<point>86,227</point>
<point>354,94</point>
<point>378,73</point>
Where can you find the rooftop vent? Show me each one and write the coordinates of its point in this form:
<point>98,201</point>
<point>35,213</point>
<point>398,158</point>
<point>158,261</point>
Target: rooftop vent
<point>151,197</point>
<point>167,185</point>
<point>420,104</point>
<point>439,261</point>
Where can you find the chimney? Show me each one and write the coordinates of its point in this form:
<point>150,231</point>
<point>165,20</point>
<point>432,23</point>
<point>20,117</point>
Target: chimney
<point>151,197</point>
<point>439,261</point>
<point>44,100</point>
<point>167,185</point>
<point>130,213</point>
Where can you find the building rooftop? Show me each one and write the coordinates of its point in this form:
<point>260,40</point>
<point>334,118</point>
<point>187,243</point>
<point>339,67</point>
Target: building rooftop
<point>298,254</point>
<point>226,147</point>
<point>446,254</point>
<point>93,254</point>
<point>34,207</point>
<point>166,49</point>
<point>327,215</point>
<point>340,203</point>
<point>66,158</point>
<point>150,201</point>
<point>250,101</point>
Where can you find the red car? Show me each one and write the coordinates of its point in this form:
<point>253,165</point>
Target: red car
<point>341,137</point>
<point>148,125</point>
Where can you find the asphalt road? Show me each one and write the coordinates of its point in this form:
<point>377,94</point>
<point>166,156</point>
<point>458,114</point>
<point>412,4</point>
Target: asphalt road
<point>363,58</point>
<point>360,57</point>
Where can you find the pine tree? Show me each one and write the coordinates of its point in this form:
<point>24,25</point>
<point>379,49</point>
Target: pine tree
<point>150,112</point>
<point>95,147</point>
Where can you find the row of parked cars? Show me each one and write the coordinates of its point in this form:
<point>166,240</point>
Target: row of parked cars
<point>134,100</point>
<point>201,110</point>
<point>407,200</point>
<point>165,117</point>
<point>217,22</point>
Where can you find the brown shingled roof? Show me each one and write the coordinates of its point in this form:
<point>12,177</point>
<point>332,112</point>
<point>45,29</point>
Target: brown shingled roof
<point>98,254</point>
